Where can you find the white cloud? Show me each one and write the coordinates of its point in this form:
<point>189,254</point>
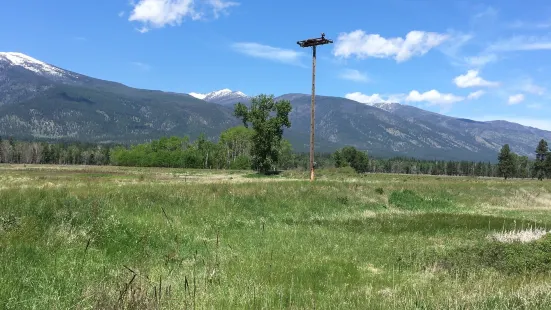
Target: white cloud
<point>516,99</point>
<point>220,6</point>
<point>371,99</point>
<point>353,75</point>
<point>268,52</point>
<point>471,79</point>
<point>143,29</point>
<point>433,97</point>
<point>121,14</point>
<point>481,60</point>
<point>521,43</point>
<point>475,95</point>
<point>159,13</point>
<point>362,45</point>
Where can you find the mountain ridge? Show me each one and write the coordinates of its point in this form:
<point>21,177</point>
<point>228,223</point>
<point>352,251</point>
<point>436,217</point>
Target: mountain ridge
<point>68,105</point>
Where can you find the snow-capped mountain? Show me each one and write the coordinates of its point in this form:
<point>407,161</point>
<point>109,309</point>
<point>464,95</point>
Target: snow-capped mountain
<point>36,66</point>
<point>23,77</point>
<point>41,100</point>
<point>223,97</point>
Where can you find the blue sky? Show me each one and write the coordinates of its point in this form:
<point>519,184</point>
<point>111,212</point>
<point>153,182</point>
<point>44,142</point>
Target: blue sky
<point>474,59</point>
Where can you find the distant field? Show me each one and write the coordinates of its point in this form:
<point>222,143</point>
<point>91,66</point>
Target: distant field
<point>80,237</point>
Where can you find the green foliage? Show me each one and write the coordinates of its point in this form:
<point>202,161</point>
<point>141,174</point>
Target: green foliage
<point>170,152</point>
<point>543,160</point>
<point>267,118</point>
<point>235,146</point>
<point>286,159</point>
<point>233,151</point>
<point>542,148</point>
<point>349,156</point>
<point>507,162</point>
<point>241,162</point>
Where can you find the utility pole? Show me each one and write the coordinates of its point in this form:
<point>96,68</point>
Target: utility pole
<point>313,43</point>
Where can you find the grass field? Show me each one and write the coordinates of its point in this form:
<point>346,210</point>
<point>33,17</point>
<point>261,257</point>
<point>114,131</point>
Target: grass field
<point>132,238</point>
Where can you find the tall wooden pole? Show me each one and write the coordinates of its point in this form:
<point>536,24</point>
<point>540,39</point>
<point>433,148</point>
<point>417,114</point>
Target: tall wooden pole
<point>313,114</point>
<point>313,43</point>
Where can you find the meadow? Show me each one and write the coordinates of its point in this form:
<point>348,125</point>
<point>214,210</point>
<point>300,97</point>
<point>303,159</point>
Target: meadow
<point>82,237</point>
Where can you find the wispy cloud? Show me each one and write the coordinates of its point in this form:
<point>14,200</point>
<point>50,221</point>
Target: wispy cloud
<point>121,14</point>
<point>141,65</point>
<point>362,45</point>
<point>521,43</point>
<point>258,50</point>
<point>81,39</point>
<point>480,60</point>
<point>528,85</point>
<point>475,95</point>
<point>515,99</point>
<point>454,47</point>
<point>518,24</point>
<point>219,6</point>
<point>353,75</point>
<point>471,79</point>
<point>160,13</point>
<point>488,12</point>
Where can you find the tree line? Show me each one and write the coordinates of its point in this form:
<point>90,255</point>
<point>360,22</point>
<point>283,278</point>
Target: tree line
<point>512,165</point>
<point>258,144</point>
<point>232,151</point>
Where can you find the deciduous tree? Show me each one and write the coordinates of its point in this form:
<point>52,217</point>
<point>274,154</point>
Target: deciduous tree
<point>350,156</point>
<point>267,118</point>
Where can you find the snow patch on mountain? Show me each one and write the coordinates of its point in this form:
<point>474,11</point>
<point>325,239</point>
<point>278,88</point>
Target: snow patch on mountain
<point>219,96</point>
<point>198,96</point>
<point>31,64</point>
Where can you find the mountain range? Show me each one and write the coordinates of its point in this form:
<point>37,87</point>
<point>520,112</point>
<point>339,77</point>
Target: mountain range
<point>40,100</point>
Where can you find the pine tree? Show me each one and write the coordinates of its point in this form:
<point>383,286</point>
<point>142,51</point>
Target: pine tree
<point>506,164</point>
<point>478,169</point>
<point>540,165</point>
<point>547,165</point>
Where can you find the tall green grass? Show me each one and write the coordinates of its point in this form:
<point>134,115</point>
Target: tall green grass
<point>145,241</point>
